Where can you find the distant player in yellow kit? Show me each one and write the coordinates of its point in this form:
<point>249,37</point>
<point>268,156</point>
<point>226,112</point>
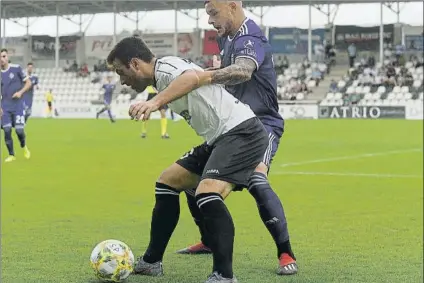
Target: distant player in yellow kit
<point>163,121</point>
<point>49,99</point>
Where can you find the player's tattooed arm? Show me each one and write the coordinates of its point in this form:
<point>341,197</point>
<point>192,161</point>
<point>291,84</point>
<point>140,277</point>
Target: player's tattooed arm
<point>237,73</point>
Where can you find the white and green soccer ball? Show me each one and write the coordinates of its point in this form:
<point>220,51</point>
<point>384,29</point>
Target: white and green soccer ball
<point>112,261</point>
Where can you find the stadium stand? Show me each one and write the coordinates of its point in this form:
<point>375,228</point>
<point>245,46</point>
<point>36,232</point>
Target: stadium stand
<point>393,83</point>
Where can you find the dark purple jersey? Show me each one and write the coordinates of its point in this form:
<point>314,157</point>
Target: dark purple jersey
<point>109,88</point>
<point>260,92</point>
<point>12,81</point>
<point>29,95</point>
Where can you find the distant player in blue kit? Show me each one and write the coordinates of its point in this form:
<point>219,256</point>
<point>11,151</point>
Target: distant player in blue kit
<point>108,88</point>
<point>247,71</point>
<point>29,95</point>
<point>14,83</point>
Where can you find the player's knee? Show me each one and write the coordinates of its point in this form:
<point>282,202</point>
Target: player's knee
<point>262,168</point>
<point>214,186</point>
<point>19,131</point>
<point>178,178</point>
<point>7,131</point>
<point>162,113</point>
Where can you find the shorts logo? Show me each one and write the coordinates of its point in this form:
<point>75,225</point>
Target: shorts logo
<point>212,171</point>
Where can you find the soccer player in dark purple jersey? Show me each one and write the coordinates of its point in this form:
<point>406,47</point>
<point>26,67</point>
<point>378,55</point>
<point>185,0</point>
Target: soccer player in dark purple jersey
<point>29,95</point>
<point>108,88</point>
<point>14,83</point>
<point>247,71</point>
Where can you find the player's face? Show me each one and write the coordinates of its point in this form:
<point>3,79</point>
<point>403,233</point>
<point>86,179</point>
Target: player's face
<point>4,59</point>
<point>132,76</point>
<point>30,68</point>
<point>221,16</point>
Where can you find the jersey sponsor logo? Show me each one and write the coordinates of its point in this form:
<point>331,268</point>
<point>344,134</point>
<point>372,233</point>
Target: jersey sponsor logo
<point>11,75</point>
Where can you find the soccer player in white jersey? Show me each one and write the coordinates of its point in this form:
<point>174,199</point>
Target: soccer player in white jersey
<point>235,142</point>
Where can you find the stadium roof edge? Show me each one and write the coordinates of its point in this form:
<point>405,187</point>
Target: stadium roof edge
<point>39,8</point>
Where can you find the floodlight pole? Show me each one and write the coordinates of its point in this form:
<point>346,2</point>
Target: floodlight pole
<point>57,42</point>
<point>310,32</point>
<point>114,23</point>
<point>3,39</point>
<point>176,29</point>
<point>381,34</point>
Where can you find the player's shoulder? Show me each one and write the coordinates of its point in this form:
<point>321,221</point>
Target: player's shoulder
<point>172,64</point>
<point>15,66</point>
<point>250,27</point>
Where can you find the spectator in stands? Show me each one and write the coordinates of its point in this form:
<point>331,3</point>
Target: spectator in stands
<point>351,50</point>
<point>285,62</point>
<point>306,64</point>
<point>67,66</point>
<point>304,88</point>
<point>319,51</point>
<point>391,75</point>
<point>83,72</point>
<point>316,76</point>
<point>333,86</point>
<point>371,61</point>
<point>74,67</point>
<point>400,50</point>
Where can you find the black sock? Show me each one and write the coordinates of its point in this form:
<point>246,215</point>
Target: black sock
<point>220,229</point>
<point>271,212</point>
<point>164,220</point>
<point>8,140</point>
<point>102,110</point>
<point>21,136</point>
<point>197,215</point>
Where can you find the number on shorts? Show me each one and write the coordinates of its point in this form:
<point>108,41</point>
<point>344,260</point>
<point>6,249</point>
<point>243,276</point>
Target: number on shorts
<point>20,119</point>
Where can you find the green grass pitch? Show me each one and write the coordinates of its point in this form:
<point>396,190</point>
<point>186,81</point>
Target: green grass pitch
<point>352,191</point>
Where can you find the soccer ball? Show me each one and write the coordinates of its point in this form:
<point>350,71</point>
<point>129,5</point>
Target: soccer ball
<point>112,261</point>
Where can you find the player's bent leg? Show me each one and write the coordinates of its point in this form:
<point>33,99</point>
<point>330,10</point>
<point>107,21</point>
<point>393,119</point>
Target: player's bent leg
<point>9,143</point>
<point>273,216</point>
<point>203,246</point>
<point>219,225</point>
<point>165,217</point>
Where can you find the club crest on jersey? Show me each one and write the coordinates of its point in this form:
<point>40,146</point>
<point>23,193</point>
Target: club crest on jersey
<point>248,44</point>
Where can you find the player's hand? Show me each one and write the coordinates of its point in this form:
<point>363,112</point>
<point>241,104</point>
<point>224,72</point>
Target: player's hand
<point>143,109</point>
<point>17,95</point>
<point>216,62</point>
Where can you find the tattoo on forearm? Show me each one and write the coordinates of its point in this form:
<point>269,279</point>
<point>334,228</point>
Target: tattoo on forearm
<point>240,72</point>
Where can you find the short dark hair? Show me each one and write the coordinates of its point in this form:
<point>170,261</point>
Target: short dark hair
<point>129,48</point>
<point>4,50</point>
<point>30,64</point>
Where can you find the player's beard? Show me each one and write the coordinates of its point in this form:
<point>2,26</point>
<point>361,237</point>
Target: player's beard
<point>140,84</point>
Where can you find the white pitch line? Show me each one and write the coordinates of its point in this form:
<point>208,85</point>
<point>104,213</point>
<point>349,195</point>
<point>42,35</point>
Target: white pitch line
<point>359,156</point>
<point>350,174</point>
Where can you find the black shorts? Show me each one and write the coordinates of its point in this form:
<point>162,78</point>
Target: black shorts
<point>233,157</point>
<point>151,95</point>
<point>49,103</point>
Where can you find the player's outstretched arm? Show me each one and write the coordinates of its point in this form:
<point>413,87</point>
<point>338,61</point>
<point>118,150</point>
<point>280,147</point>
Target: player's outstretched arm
<point>179,87</point>
<point>240,72</point>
